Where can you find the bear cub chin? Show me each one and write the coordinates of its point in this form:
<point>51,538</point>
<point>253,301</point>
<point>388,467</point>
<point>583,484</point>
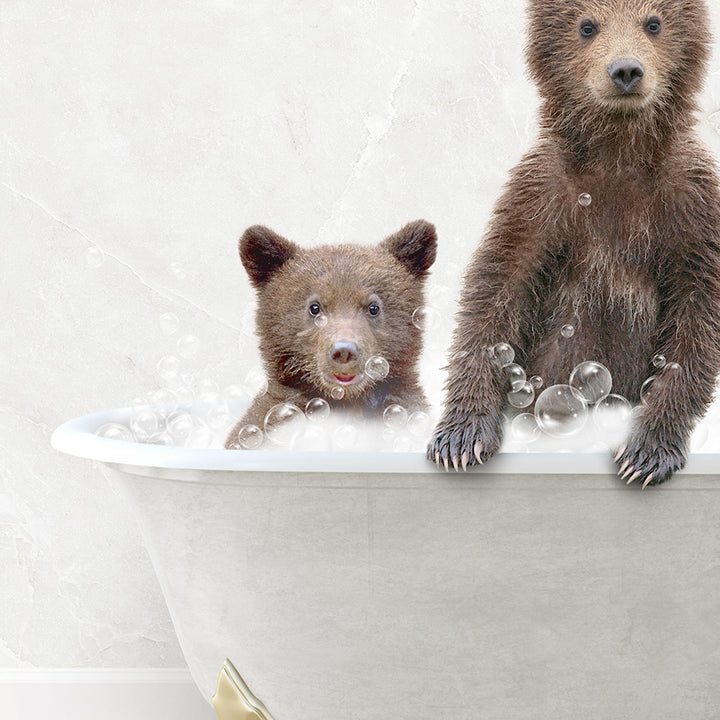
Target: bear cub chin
<point>324,312</point>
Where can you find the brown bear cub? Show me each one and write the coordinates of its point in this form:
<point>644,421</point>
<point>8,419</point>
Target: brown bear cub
<point>323,312</point>
<point>634,265</point>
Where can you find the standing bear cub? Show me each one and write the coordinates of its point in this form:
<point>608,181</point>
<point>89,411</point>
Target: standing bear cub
<point>611,223</point>
<point>324,312</point>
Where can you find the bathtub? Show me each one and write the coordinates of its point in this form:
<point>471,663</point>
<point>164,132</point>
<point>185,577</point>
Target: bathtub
<point>360,586</point>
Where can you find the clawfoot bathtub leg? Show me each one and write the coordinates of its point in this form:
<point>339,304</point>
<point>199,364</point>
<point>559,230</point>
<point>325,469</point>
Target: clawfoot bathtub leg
<point>233,700</point>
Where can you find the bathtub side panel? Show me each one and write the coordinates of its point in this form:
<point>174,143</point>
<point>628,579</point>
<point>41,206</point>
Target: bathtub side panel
<point>493,599</point>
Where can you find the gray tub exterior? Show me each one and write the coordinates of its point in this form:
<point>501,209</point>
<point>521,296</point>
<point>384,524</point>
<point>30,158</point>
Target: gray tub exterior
<point>357,586</point>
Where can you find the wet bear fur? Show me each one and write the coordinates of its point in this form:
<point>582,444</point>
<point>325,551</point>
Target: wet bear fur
<point>637,272</point>
<point>323,312</point>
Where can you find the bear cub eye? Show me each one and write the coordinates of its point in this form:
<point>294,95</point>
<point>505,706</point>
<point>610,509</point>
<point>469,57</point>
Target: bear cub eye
<point>653,25</point>
<point>373,308</point>
<point>314,309</point>
<point>587,28</point>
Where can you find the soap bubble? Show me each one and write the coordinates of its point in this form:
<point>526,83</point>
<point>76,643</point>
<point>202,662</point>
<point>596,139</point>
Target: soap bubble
<point>672,367</point>
<point>516,375</point>
<point>144,424</point>
<point>524,427</point>
<point>184,394</point>
<point>168,368</point>
<point>94,257</point>
<point>395,416</point>
<point>567,331</point>
<point>321,320</point>
<point>612,411</point>
<point>188,346</point>
<point>164,400</point>
<point>502,354</point>
<point>459,355</point>
<point>426,318</point>
<point>418,423</point>
<point>250,437</point>
<point>162,438</point>
<point>200,438</point>
<point>560,411</point>
<point>337,393</point>
<point>592,381</point>
<point>659,361</point>
<point>115,431</point>
<point>256,383</point>
<point>377,367</point>
<point>522,397</point>
<point>584,199</point>
<point>645,389</point>
<point>536,381</point>
<point>283,423</point>
<point>317,409</point>
<point>179,427</point>
<point>169,323</point>
<point>178,270</point>
<point>345,437</point>
<point>219,417</point>
<point>233,392</point>
<point>207,386</point>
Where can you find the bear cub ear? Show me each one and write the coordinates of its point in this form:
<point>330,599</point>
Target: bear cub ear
<point>415,246</point>
<point>263,252</point>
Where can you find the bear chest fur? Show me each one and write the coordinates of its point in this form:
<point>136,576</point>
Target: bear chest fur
<point>604,288</point>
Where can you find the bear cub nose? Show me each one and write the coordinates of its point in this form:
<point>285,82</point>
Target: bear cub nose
<point>343,352</point>
<point>626,73</point>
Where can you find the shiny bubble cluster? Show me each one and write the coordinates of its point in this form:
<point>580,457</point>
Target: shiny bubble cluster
<point>612,411</point>
<point>250,437</point>
<point>377,367</point>
<point>94,257</point>
<point>255,383</point>
<point>522,397</point>
<point>567,331</point>
<point>426,318</point>
<point>169,323</point>
<point>536,381</point>
<point>317,410</point>
<point>283,424</point>
<point>188,346</point>
<point>395,416</point>
<point>502,354</point>
<point>585,199</point>
<point>337,393</point>
<point>321,320</point>
<point>115,431</point>
<point>591,380</point>
<point>659,361</point>
<point>524,427</point>
<point>560,411</point>
<point>516,375</point>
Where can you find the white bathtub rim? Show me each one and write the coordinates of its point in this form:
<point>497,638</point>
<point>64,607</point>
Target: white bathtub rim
<point>77,437</point>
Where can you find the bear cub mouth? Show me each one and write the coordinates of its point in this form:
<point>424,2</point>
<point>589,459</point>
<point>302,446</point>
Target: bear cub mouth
<point>346,378</point>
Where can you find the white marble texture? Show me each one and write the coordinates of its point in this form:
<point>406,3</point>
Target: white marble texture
<point>157,132</point>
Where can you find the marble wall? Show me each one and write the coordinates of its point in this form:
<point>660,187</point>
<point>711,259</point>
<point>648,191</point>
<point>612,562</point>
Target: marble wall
<point>137,140</point>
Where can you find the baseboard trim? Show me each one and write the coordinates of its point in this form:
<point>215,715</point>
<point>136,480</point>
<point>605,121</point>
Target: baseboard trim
<point>108,693</point>
<point>94,676</point>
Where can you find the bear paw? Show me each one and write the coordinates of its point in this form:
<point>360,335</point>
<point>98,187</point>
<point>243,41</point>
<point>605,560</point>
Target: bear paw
<point>649,460</point>
<point>465,441</point>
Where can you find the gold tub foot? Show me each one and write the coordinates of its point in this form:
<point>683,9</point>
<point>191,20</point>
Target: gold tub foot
<point>233,700</point>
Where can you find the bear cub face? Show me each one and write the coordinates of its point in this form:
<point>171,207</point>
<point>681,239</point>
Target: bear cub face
<point>324,312</point>
<point>618,57</point>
